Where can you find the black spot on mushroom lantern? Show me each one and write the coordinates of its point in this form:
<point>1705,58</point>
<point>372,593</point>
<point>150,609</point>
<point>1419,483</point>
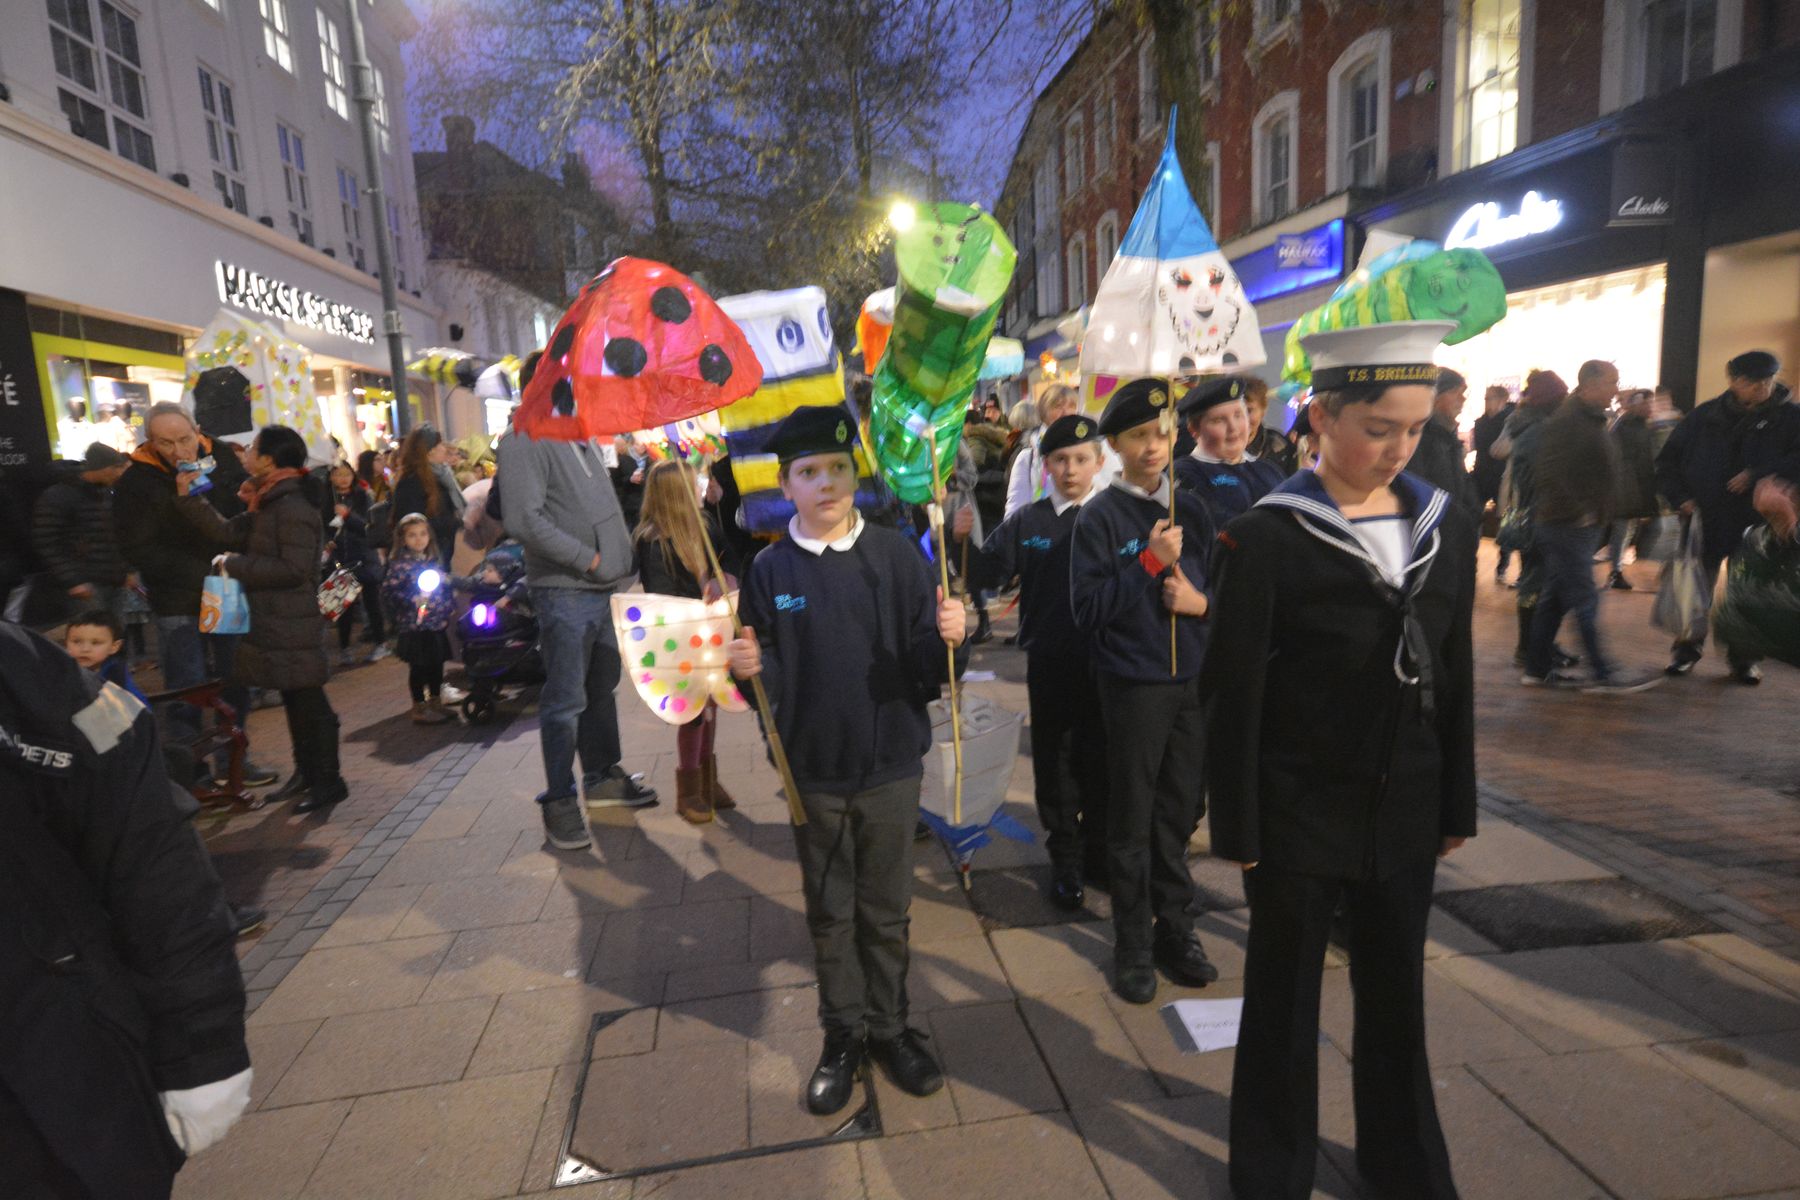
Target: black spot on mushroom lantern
<point>642,346</point>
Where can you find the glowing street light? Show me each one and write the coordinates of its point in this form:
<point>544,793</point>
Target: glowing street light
<point>902,216</point>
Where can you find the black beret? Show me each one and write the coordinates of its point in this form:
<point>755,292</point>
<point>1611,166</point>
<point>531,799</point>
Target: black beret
<point>1068,431</point>
<point>1134,403</point>
<point>814,429</point>
<point>1753,364</point>
<point>1210,393</point>
<point>1302,425</point>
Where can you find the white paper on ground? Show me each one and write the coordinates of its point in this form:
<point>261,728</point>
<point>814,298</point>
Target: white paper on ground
<point>978,677</point>
<point>1212,1024</point>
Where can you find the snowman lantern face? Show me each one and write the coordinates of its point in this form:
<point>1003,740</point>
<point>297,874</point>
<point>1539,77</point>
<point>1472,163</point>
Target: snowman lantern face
<point>1201,310</point>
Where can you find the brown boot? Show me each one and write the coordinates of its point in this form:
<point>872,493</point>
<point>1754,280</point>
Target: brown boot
<point>690,796</point>
<point>711,788</point>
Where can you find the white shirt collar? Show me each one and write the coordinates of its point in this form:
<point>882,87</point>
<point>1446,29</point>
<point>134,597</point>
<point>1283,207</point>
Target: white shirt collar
<point>817,548</point>
<point>1060,505</point>
<point>1202,456</point>
<point>1160,495</point>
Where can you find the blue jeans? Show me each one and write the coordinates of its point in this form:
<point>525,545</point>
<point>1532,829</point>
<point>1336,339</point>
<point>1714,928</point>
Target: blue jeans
<point>576,711</point>
<point>1623,531</point>
<point>187,657</point>
<point>1567,552</point>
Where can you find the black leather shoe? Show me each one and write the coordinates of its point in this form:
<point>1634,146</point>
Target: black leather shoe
<point>1065,891</point>
<point>1134,984</point>
<point>296,785</point>
<point>324,798</point>
<point>246,919</point>
<point>835,1077</point>
<point>908,1063</point>
<point>1184,960</point>
<point>984,631</point>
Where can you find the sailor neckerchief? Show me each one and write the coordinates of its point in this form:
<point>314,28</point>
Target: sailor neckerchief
<point>1424,505</point>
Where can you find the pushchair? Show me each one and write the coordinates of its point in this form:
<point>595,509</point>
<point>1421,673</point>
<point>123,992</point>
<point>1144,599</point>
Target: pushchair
<point>499,640</point>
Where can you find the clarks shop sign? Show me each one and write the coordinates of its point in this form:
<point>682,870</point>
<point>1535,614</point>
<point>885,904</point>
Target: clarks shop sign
<point>1643,184</point>
<point>243,288</point>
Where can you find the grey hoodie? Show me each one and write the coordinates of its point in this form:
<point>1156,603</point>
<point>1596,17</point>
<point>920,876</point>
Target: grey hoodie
<point>561,506</point>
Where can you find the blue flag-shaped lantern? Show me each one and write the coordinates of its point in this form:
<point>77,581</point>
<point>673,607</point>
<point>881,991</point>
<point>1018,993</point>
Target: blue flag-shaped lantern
<point>1169,305</point>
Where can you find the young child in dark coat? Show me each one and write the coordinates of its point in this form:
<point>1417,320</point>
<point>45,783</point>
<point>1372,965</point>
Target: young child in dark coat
<point>96,640</point>
<point>846,628</point>
<point>1133,572</point>
<point>419,596</point>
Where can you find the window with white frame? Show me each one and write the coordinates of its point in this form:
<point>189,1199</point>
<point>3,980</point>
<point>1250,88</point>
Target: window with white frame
<point>1105,112</point>
<point>350,208</point>
<point>1073,158</point>
<point>222,141</point>
<point>1106,243</point>
<point>1077,271</point>
<point>1272,155</point>
<point>293,182</point>
<point>1046,249</point>
<point>1049,281</point>
<point>1356,137</point>
<point>1487,97</point>
<point>1206,43</point>
<point>1271,15</point>
<point>1680,42</point>
<point>1362,114</point>
<point>381,109</point>
<point>331,59</point>
<point>108,100</point>
<point>277,37</point>
<point>1149,121</point>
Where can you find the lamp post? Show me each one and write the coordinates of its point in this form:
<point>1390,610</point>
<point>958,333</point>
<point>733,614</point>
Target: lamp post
<point>363,91</point>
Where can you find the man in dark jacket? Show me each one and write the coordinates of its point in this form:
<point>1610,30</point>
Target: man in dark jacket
<point>72,531</point>
<point>1634,498</point>
<point>1573,480</point>
<point>1439,457</point>
<point>1497,406</point>
<point>172,559</point>
<point>120,994</point>
<point>1711,465</point>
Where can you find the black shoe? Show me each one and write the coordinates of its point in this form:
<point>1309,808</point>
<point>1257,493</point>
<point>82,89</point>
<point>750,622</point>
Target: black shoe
<point>984,631</point>
<point>614,788</point>
<point>1686,657</point>
<point>1749,675</point>
<point>1134,984</point>
<point>921,832</point>
<point>1619,583</point>
<point>245,920</point>
<point>908,1063</point>
<point>835,1077</point>
<point>296,785</point>
<point>1183,959</point>
<point>1559,658</point>
<point>1065,890</point>
<point>324,797</point>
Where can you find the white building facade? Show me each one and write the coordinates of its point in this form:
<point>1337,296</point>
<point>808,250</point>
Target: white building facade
<point>162,159</point>
<point>490,318</point>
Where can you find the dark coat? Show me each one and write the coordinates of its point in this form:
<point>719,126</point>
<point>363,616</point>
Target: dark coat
<point>277,560</point>
<point>171,555</point>
<point>1271,446</point>
<point>1715,442</point>
<point>1635,495</point>
<point>1439,462</point>
<point>661,571</point>
<point>1320,759</point>
<point>409,498</point>
<point>1576,468</point>
<point>350,541</point>
<point>117,974</point>
<point>72,531</point>
<point>1489,469</point>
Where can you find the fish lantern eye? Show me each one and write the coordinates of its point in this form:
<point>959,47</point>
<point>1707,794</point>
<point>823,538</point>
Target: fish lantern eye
<point>429,580</point>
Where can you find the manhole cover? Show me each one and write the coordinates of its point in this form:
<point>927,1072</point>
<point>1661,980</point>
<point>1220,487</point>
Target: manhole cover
<point>709,1099</point>
<point>1584,912</point>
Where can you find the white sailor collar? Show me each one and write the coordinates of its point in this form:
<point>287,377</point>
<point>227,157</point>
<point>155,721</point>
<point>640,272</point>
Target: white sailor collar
<point>818,548</point>
<point>1200,456</point>
<point>1060,505</point>
<point>1160,495</point>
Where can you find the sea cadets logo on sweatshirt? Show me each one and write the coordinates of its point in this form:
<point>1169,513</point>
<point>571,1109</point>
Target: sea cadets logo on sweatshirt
<point>786,602</point>
<point>1133,548</point>
<point>1036,543</point>
<point>42,757</point>
<point>1226,479</point>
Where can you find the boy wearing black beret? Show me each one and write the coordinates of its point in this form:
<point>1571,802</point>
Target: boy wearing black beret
<point>1131,567</point>
<point>1068,753</point>
<point>843,623</point>
<point>1221,470</point>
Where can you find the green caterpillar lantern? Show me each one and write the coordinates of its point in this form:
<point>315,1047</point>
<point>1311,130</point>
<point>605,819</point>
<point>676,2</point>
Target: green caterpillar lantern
<point>1420,281</point>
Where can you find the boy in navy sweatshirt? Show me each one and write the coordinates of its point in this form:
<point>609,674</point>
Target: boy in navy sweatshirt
<point>843,623</point>
<point>1068,753</point>
<point>1130,568</point>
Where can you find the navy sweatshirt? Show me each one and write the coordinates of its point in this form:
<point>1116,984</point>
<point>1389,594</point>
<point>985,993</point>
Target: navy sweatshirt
<point>1119,603</point>
<point>1227,489</point>
<point>850,656</point>
<point>1033,544</point>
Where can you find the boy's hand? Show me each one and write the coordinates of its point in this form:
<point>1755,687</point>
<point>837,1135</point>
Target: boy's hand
<point>952,622</point>
<point>1182,597</point>
<point>744,654</point>
<point>1165,542</point>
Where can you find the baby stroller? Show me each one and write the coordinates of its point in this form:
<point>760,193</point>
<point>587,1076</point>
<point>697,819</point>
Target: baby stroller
<point>499,635</point>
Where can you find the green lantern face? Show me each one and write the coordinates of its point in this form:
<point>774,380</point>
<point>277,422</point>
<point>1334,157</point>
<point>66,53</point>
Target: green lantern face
<point>1456,285</point>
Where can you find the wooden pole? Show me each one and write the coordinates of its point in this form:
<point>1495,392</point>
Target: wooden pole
<point>759,693</point>
<point>937,530</point>
<point>1170,414</point>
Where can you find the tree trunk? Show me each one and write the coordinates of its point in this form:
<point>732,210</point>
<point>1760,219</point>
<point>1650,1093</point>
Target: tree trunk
<point>1178,82</point>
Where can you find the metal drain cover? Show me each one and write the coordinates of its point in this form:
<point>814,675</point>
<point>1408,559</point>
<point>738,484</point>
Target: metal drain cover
<point>1583,912</point>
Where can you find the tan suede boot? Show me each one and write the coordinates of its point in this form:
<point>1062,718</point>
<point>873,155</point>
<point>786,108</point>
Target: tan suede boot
<point>690,796</point>
<point>712,789</point>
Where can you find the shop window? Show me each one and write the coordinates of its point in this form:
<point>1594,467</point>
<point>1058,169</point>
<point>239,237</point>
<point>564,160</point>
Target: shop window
<point>331,59</point>
<point>1272,157</point>
<point>1106,242</point>
<point>1149,121</point>
<point>1077,271</point>
<point>1104,110</point>
<point>1487,96</point>
<point>381,110</point>
<point>1680,41</point>
<point>1072,155</point>
<point>293,181</point>
<point>222,141</point>
<point>108,101</point>
<point>277,39</point>
<point>350,208</point>
<point>1356,99</point>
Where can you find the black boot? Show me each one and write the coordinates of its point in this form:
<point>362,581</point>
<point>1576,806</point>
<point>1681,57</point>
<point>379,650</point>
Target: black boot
<point>984,631</point>
<point>327,786</point>
<point>908,1063</point>
<point>835,1077</point>
<point>1065,887</point>
<point>1522,655</point>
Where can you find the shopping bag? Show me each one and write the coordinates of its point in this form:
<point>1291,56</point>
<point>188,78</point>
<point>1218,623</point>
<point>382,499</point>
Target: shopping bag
<point>1759,615</point>
<point>339,591</point>
<point>1683,600</point>
<point>1515,533</point>
<point>223,606</point>
<point>1658,539</point>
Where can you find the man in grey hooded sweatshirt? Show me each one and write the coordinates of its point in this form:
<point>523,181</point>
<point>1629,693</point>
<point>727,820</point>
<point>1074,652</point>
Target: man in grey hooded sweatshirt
<point>561,506</point>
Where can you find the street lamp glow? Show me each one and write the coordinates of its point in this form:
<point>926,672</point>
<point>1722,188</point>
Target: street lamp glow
<point>903,216</point>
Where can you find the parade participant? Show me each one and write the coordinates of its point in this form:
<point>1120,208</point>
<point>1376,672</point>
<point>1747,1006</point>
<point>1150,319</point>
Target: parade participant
<point>1340,673</point>
<point>1068,753</point>
<point>1221,470</point>
<point>841,621</point>
<point>419,598</point>
<point>1265,443</point>
<point>1132,570</point>
<point>119,990</point>
<point>670,545</point>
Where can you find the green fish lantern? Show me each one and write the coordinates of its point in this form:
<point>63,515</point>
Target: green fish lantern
<point>955,264</point>
<point>1420,281</point>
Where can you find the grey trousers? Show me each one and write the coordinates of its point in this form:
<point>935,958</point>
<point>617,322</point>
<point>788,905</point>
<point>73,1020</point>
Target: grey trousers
<point>856,867</point>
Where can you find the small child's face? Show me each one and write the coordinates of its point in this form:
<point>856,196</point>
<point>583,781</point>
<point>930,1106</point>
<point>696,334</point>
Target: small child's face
<point>90,645</point>
<point>1072,469</point>
<point>823,489</point>
<point>490,575</point>
<point>417,538</point>
<point>341,478</point>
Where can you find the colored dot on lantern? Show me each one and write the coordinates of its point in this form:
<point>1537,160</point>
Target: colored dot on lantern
<point>665,703</point>
<point>669,644</point>
<point>634,613</point>
<point>680,705</point>
<point>696,641</point>
<point>681,685</point>
<point>647,677</point>
<point>659,688</point>
<point>686,667</point>
<point>660,619</point>
<point>649,660</point>
<point>718,639</point>
<point>637,635</point>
